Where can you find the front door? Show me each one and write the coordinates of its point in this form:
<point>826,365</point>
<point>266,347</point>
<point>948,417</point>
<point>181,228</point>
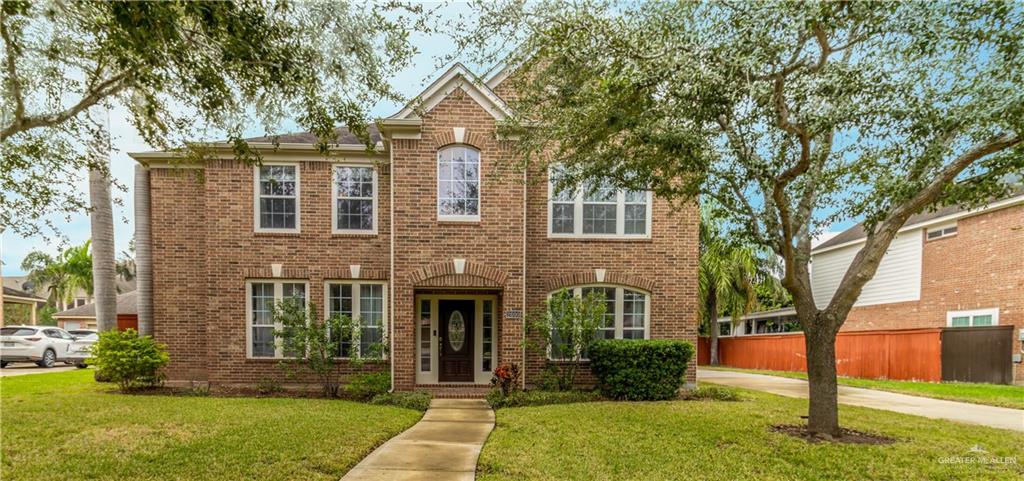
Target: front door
<point>456,319</point>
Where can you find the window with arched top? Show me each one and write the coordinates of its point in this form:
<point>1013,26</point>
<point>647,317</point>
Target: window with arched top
<point>458,183</point>
<point>627,313</point>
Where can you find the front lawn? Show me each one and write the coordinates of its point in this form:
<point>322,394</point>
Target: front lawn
<point>714,440</point>
<point>990,394</point>
<point>66,426</point>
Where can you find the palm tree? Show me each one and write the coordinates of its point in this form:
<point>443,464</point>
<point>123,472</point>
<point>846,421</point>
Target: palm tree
<point>63,275</point>
<point>728,278</point>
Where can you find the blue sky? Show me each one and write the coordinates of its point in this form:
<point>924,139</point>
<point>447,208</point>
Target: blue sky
<point>409,82</point>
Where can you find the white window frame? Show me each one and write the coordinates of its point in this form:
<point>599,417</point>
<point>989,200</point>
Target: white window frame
<point>971,314</point>
<point>256,198</point>
<point>278,297</point>
<point>577,291</point>
<point>620,215</point>
<point>480,376</point>
<point>357,306</point>
<point>942,230</point>
<point>479,184</point>
<point>335,198</point>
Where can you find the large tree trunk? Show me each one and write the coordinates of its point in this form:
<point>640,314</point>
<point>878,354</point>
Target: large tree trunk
<point>823,410</point>
<point>143,252</point>
<point>103,269</point>
<point>712,310</point>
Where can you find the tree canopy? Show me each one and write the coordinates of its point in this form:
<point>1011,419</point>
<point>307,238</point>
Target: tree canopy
<point>182,70</point>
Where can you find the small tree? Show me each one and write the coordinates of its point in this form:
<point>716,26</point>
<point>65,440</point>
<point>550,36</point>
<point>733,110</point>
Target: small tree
<point>316,344</point>
<point>564,332</point>
<point>130,360</point>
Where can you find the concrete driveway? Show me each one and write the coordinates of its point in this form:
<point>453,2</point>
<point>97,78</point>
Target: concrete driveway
<point>996,417</point>
<point>23,368</point>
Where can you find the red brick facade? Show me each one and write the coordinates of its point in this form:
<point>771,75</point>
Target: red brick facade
<point>980,267</point>
<point>205,250</point>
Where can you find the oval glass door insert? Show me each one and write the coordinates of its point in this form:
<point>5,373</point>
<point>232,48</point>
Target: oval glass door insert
<point>456,331</point>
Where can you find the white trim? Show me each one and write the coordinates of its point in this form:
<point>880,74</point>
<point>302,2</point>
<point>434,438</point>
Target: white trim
<point>939,220</point>
<point>391,260</point>
<point>991,311</point>
<point>334,201</point>
<point>941,230</point>
<point>357,308</point>
<point>278,296</point>
<point>256,199</point>
<point>479,185</point>
<point>480,376</point>
<point>458,76</point>
<point>620,216</point>
<point>620,295</point>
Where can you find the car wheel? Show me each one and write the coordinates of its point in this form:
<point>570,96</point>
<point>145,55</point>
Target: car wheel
<point>49,359</point>
<point>3,364</point>
<point>81,365</point>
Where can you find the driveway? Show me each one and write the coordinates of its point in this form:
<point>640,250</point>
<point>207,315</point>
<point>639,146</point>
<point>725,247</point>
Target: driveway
<point>23,368</point>
<point>996,417</point>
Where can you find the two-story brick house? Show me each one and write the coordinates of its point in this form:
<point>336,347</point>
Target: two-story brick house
<point>433,240</point>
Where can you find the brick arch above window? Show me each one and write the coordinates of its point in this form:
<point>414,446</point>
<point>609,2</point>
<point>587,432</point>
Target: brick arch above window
<point>474,274</point>
<point>590,277</point>
<point>472,138</point>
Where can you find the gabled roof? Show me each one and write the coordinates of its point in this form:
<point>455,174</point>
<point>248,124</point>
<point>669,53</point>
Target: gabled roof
<point>944,214</point>
<point>127,303</point>
<point>22,295</point>
<point>458,76</point>
<point>342,136</point>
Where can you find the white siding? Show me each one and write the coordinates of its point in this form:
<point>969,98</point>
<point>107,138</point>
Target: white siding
<point>898,278</point>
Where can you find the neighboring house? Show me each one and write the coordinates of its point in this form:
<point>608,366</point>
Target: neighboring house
<point>763,322</point>
<point>78,298</point>
<point>18,307</point>
<point>84,316</point>
<point>432,240</point>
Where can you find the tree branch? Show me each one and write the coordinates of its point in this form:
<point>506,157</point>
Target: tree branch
<point>93,96</point>
<point>13,51</point>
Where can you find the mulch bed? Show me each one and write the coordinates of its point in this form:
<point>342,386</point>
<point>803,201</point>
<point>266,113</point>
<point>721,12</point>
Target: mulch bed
<point>847,436</point>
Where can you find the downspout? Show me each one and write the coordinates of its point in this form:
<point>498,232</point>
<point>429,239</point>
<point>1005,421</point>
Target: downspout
<point>523,316</point>
<point>391,274</point>
<point>143,251</point>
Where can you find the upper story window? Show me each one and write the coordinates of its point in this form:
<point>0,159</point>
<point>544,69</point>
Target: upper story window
<point>458,183</point>
<point>598,211</point>
<point>277,197</point>
<point>941,231</point>
<point>355,199</point>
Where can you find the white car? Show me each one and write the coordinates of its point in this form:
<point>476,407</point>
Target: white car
<point>43,345</point>
<point>79,351</point>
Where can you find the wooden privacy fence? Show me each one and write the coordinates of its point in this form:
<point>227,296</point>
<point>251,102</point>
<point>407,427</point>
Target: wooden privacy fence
<point>888,354</point>
<point>965,354</point>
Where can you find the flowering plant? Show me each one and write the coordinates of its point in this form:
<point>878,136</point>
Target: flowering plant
<point>506,377</point>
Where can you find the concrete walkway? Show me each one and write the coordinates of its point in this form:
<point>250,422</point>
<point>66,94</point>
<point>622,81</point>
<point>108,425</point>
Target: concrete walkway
<point>996,417</point>
<point>443,446</point>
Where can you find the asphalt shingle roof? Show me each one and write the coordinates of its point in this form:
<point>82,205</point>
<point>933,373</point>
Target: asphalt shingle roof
<point>127,303</point>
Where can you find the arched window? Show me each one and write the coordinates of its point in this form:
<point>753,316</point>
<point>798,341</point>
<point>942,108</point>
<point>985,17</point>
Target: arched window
<point>626,316</point>
<point>458,183</point>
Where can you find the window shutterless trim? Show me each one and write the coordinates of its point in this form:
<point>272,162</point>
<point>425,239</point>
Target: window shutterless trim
<point>278,297</point>
<point>620,215</point>
<point>620,295</point>
<point>256,199</point>
<point>335,198</point>
<point>479,185</point>
<point>357,307</point>
<point>971,314</point>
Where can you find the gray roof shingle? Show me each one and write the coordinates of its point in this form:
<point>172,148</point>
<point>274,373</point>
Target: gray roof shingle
<point>342,136</point>
<point>127,303</point>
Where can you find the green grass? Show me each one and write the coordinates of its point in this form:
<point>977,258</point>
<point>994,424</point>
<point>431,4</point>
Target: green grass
<point>990,394</point>
<point>714,440</point>
<point>66,426</point>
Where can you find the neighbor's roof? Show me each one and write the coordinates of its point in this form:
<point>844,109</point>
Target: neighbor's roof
<point>127,303</point>
<point>780,312</point>
<point>342,136</point>
<point>18,293</point>
<point>857,232</point>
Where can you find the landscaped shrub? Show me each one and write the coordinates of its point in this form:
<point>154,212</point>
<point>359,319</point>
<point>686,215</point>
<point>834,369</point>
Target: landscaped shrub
<point>713,393</point>
<point>130,360</point>
<point>638,369</point>
<point>365,386</point>
<point>507,378</point>
<point>539,398</point>
<point>418,400</point>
